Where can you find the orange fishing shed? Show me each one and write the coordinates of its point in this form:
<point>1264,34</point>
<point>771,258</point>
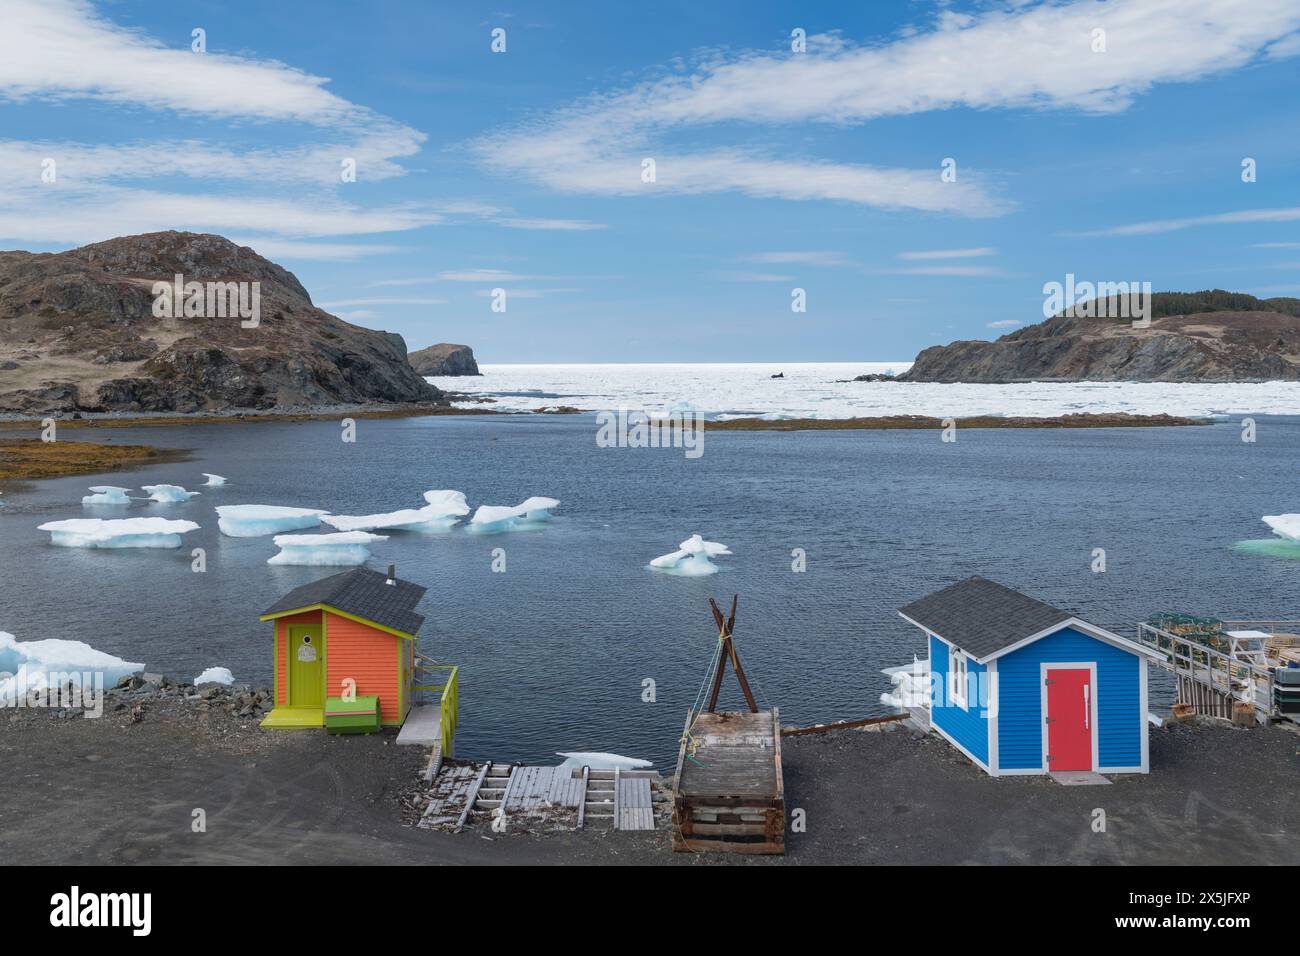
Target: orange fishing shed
<point>359,626</point>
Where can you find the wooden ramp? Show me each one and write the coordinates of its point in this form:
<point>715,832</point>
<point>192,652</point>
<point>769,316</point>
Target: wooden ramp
<point>730,794</point>
<point>512,797</point>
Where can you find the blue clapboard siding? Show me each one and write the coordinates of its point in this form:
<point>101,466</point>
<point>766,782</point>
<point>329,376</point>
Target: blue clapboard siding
<point>968,727</point>
<point>1120,721</point>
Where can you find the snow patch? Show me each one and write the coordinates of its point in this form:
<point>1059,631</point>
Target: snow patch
<point>215,675</point>
<point>1284,526</point>
<point>443,510</point>
<point>692,560</point>
<point>252,521</point>
<point>70,660</point>
<point>117,532</point>
<point>169,494</point>
<point>602,761</point>
<point>107,495</point>
<point>489,519</point>
<point>324,550</point>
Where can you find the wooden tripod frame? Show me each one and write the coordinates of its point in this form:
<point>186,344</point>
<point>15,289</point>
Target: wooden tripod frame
<point>727,651</point>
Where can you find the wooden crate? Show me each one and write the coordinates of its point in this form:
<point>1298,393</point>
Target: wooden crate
<point>730,795</point>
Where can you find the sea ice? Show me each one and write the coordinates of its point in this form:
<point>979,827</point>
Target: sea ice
<point>1284,526</point>
<point>600,761</point>
<point>252,521</point>
<point>168,494</point>
<point>215,675</point>
<point>212,479</point>
<point>492,518</point>
<point>324,550</point>
<point>117,532</point>
<point>107,495</point>
<point>443,510</point>
<point>693,558</point>
<point>69,660</point>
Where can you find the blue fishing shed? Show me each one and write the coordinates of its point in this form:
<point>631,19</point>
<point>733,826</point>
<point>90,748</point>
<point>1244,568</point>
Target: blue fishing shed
<point>1021,687</point>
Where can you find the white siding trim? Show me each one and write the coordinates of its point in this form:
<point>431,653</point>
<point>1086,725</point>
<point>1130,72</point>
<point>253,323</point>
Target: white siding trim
<point>1091,630</point>
<point>991,715</point>
<point>1091,668</point>
<point>1142,717</point>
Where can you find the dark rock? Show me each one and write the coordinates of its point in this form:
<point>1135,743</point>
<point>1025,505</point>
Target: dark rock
<point>95,305</point>
<point>1217,346</point>
<point>444,359</point>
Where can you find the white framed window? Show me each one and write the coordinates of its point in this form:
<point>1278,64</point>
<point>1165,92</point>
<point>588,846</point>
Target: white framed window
<point>957,678</point>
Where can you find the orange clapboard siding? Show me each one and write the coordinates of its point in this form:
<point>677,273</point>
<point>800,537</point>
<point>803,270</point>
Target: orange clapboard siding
<point>369,657</point>
<point>281,652</point>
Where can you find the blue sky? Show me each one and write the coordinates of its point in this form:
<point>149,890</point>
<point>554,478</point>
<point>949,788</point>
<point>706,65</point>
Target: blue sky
<point>775,169</point>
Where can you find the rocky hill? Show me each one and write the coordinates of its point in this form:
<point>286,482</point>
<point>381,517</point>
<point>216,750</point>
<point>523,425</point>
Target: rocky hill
<point>445,359</point>
<point>1212,336</point>
<point>79,331</point>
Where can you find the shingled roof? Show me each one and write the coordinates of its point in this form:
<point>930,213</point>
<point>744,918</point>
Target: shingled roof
<point>983,617</point>
<point>360,592</point>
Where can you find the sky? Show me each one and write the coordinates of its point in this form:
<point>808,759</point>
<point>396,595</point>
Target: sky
<point>919,170</point>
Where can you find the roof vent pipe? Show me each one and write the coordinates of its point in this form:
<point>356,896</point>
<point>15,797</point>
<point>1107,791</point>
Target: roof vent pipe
<point>392,575</point>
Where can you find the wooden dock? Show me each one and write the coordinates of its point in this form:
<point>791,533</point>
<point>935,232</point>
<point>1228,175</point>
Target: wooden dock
<point>1217,673</point>
<point>730,795</point>
<point>506,796</point>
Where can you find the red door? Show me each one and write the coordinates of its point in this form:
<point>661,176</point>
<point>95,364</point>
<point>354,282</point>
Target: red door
<point>1069,719</point>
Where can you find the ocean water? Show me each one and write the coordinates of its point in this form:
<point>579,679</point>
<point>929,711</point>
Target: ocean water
<point>556,652</point>
<point>827,390</point>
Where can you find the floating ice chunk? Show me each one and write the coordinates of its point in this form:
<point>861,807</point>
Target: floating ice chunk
<point>37,664</point>
<point>251,521</point>
<point>600,761</point>
<point>1284,526</point>
<point>693,558</point>
<point>212,479</point>
<point>168,494</point>
<point>117,532</point>
<point>492,518</point>
<point>324,550</point>
<point>215,675</point>
<point>107,495</point>
<point>440,514</point>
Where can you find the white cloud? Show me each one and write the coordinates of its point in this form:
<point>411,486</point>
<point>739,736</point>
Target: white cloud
<point>948,253</point>
<point>741,276</point>
<point>969,271</point>
<point>801,258</point>
<point>347,303</point>
<point>1028,56</point>
<point>280,250</point>
<point>1156,226</point>
<point>487,275</point>
<point>1004,324</point>
<point>1275,245</point>
<point>557,225</point>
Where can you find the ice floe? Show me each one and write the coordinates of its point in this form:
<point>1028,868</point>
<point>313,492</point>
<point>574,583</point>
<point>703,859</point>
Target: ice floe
<point>491,518</point>
<point>29,665</point>
<point>117,532</point>
<point>602,761</point>
<point>107,495</point>
<point>168,494</point>
<point>693,558</point>
<point>213,480</point>
<point>324,550</point>
<point>443,510</point>
<point>252,521</point>
<point>215,675</point>
<point>1284,526</point>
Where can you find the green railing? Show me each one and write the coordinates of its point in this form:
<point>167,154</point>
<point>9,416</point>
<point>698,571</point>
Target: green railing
<point>448,699</point>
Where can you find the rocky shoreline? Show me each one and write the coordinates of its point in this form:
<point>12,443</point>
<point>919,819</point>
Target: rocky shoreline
<point>921,422</point>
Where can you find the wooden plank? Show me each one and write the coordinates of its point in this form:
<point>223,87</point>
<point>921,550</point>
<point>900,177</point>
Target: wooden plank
<point>582,802</point>
<point>618,780</point>
<point>471,796</point>
<point>776,740</point>
<point>841,725</point>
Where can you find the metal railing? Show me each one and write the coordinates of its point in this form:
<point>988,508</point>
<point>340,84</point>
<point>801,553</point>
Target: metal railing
<point>1212,667</point>
<point>445,694</point>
